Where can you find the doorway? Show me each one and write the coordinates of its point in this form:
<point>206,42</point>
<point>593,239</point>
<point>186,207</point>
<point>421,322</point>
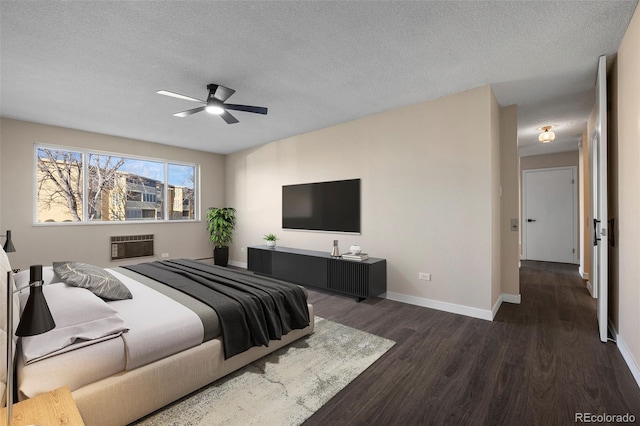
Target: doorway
<point>550,214</point>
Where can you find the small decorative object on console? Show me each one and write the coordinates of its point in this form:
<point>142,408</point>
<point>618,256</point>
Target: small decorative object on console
<point>335,251</point>
<point>355,249</point>
<point>271,240</point>
<point>355,256</point>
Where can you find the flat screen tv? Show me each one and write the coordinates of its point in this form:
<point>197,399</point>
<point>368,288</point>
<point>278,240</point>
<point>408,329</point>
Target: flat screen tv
<point>322,206</point>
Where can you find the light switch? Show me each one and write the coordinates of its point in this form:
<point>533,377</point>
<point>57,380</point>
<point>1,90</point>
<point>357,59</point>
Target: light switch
<point>514,224</point>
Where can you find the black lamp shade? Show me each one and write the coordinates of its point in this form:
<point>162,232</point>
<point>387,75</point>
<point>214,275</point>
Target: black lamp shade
<point>35,273</point>
<point>36,317</point>
<point>8,245</point>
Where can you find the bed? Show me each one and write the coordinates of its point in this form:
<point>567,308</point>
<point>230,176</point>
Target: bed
<point>137,354</point>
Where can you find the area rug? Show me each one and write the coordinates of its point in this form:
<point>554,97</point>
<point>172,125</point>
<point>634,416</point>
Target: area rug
<point>283,388</point>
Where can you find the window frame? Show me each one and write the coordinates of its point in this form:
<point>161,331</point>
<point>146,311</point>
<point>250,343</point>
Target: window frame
<point>85,211</point>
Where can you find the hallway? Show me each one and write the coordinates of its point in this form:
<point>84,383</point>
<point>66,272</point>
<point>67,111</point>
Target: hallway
<point>537,363</point>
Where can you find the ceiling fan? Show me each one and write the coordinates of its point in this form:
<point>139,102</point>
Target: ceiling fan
<point>215,103</point>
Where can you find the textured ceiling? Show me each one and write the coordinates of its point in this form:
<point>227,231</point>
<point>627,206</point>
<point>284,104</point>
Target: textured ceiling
<point>97,66</point>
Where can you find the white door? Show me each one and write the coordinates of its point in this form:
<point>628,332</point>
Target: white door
<point>599,259</point>
<point>550,215</point>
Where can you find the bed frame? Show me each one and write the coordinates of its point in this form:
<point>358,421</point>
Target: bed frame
<point>131,395</point>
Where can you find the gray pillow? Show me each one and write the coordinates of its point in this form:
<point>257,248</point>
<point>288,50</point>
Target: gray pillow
<point>95,279</point>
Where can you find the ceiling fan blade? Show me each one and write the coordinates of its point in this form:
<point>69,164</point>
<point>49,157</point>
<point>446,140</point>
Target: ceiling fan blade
<point>230,119</point>
<point>246,108</point>
<point>221,93</point>
<point>189,112</point>
<point>178,95</point>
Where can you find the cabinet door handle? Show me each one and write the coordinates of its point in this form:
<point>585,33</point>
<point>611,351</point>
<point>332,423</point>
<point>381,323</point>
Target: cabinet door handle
<point>531,220</point>
<point>595,232</point>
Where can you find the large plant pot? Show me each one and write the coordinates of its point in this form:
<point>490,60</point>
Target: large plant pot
<point>221,256</point>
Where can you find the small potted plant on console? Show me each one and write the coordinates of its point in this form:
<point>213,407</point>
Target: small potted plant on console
<point>220,223</point>
<point>271,240</point>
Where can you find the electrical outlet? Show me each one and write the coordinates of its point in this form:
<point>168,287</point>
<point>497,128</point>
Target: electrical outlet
<point>243,249</point>
<point>424,276</point>
<point>165,255</point>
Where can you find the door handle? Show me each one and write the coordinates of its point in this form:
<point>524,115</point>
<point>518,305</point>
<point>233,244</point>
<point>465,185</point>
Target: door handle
<point>531,220</point>
<point>595,232</point>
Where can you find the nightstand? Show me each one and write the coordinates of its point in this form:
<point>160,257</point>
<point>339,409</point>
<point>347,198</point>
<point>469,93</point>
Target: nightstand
<point>52,408</point>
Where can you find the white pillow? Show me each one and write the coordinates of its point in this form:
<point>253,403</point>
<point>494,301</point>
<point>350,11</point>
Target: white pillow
<point>80,316</point>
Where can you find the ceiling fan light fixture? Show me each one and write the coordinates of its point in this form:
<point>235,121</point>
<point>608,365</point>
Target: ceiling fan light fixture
<point>214,109</point>
<point>547,135</point>
<point>215,104</point>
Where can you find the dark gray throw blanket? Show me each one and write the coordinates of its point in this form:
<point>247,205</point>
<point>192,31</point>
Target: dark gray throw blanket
<point>252,309</point>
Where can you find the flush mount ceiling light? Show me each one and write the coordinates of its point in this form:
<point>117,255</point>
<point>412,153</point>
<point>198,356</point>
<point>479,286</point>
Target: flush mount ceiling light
<point>547,135</point>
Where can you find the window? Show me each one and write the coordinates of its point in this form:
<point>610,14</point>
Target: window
<point>82,186</point>
<point>60,179</point>
<point>181,192</point>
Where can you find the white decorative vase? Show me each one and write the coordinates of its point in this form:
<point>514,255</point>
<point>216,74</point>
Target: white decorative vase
<point>271,243</point>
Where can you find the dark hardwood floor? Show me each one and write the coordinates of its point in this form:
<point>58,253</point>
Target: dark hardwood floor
<point>537,363</point>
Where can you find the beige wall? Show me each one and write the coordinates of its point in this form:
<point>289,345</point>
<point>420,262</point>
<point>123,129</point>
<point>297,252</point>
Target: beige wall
<point>429,178</point>
<point>496,232</point>
<point>509,201</point>
<point>2,229</point>
<point>90,242</point>
<point>626,116</point>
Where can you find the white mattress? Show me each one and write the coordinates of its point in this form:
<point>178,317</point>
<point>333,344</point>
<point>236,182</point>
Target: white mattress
<point>158,327</point>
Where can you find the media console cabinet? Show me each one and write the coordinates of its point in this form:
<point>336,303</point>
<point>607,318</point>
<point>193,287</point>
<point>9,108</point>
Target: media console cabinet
<point>362,279</point>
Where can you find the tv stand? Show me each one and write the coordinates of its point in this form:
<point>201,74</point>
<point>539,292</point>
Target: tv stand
<point>364,279</point>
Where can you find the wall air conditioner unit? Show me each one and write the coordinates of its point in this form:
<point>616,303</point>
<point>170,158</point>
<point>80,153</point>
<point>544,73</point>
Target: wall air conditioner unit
<point>129,246</point>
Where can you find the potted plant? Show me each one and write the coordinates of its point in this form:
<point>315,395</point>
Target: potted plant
<point>271,240</point>
<point>220,223</point>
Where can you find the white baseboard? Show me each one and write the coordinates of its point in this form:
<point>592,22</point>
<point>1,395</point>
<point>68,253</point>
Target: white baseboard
<point>590,288</point>
<point>511,298</point>
<point>469,311</point>
<point>633,365</point>
<point>452,307</point>
<point>238,264</point>
<point>583,274</point>
<point>496,306</point>
<point>504,297</point>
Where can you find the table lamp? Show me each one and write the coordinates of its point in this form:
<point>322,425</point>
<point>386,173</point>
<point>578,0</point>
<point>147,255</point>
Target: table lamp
<point>36,319</point>
<point>8,244</point>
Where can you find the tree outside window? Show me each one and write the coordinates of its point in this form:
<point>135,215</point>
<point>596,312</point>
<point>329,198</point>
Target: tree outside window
<point>117,188</point>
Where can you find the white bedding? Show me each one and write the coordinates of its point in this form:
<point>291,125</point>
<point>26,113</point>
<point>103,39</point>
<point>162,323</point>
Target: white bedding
<point>158,327</point>
<point>81,319</point>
